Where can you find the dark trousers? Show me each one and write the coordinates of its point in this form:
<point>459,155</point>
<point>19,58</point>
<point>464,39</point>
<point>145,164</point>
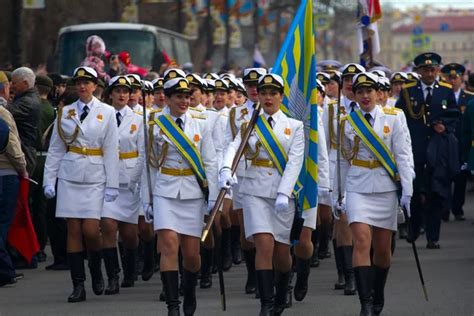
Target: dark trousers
<point>459,194</point>
<point>57,232</point>
<point>38,204</point>
<point>436,205</point>
<point>9,186</point>
<point>417,207</point>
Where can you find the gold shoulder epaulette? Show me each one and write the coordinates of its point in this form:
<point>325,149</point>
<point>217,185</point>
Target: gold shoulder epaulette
<point>156,110</point>
<point>195,109</point>
<point>390,111</point>
<point>343,118</point>
<point>409,85</point>
<point>200,117</point>
<point>212,109</point>
<point>139,113</point>
<point>332,102</point>
<point>444,84</point>
<point>468,92</point>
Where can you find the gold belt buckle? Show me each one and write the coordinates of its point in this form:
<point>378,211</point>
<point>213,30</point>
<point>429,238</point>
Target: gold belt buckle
<point>84,150</point>
<point>181,172</point>
<point>372,164</point>
<point>270,164</point>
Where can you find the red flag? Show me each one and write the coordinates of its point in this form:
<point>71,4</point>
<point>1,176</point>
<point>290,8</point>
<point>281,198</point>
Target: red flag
<point>22,235</point>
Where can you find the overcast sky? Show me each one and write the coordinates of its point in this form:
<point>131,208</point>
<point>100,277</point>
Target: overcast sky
<point>403,4</point>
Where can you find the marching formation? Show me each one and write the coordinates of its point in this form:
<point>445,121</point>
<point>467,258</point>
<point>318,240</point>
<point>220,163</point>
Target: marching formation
<point>141,166</point>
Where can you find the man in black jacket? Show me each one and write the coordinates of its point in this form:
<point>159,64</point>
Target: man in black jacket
<point>25,108</point>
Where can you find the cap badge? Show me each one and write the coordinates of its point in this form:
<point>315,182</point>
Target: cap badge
<point>268,79</point>
<point>351,69</point>
<point>172,74</point>
<point>362,79</point>
<point>81,72</point>
<point>183,84</point>
<point>122,81</point>
<point>253,75</point>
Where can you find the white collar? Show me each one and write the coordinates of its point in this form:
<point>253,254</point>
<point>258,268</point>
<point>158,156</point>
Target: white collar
<point>82,104</point>
<point>182,117</point>
<point>275,116</point>
<point>372,113</point>
<point>424,86</point>
<point>122,111</point>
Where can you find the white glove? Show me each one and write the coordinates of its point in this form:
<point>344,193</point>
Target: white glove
<point>133,187</point>
<point>49,192</point>
<point>210,206</point>
<point>226,180</point>
<point>339,208</point>
<point>281,203</point>
<point>464,166</point>
<point>111,194</point>
<point>148,209</point>
<point>405,203</point>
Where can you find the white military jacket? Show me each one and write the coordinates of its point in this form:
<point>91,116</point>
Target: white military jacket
<point>185,187</point>
<point>97,131</point>
<point>131,140</point>
<point>388,127</point>
<point>267,182</point>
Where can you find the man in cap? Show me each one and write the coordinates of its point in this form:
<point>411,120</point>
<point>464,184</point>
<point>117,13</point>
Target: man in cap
<point>238,116</point>
<point>43,85</point>
<point>454,74</point>
<point>26,109</point>
<point>426,104</point>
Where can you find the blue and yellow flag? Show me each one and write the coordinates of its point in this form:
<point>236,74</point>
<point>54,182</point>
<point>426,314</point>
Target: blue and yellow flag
<point>296,64</point>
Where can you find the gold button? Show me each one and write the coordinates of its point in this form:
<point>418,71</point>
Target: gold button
<point>84,150</point>
<point>270,164</point>
<point>181,172</point>
<point>270,173</point>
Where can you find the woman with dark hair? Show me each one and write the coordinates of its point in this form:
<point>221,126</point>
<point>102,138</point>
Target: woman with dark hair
<point>375,140</point>
<point>83,158</point>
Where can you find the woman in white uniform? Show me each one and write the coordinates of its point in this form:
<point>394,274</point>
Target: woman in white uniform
<point>122,214</point>
<point>267,191</point>
<point>187,173</point>
<point>371,188</point>
<point>83,158</point>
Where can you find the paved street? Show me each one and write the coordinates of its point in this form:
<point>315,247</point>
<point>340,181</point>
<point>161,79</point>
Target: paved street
<point>449,275</point>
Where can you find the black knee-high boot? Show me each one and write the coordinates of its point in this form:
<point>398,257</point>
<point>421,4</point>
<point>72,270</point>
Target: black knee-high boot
<point>95,268</point>
<point>349,287</point>
<point>235,244</point>
<point>78,276</point>
<point>112,268</point>
<point>189,289</point>
<point>148,259</point>
<point>380,277</point>
<point>206,268</point>
<point>303,267</point>
<point>282,280</point>
<point>250,285</point>
<point>265,287</point>
<point>170,287</point>
<point>315,240</point>
<point>129,266</point>
<point>323,240</point>
<point>226,249</point>
<point>363,276</point>
<point>339,257</point>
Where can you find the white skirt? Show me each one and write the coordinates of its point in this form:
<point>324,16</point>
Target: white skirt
<point>260,217</point>
<point>125,208</point>
<point>186,217</point>
<point>310,217</point>
<point>237,196</point>
<point>79,200</point>
<point>375,209</point>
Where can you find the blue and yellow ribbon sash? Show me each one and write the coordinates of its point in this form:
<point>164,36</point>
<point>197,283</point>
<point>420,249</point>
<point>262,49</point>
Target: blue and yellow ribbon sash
<point>185,147</point>
<point>274,148</point>
<point>374,143</point>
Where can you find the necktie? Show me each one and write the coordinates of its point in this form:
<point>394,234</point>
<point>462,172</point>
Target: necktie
<point>368,117</point>
<point>270,121</point>
<point>353,106</point>
<point>428,96</point>
<point>179,122</point>
<point>118,116</point>
<point>85,111</point>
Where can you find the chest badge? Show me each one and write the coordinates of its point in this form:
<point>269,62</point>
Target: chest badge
<point>70,114</point>
<point>287,131</point>
<point>243,113</point>
<point>196,138</point>
<point>100,118</point>
<point>386,131</point>
<point>133,128</point>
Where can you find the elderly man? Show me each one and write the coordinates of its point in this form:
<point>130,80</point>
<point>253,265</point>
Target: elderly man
<point>12,164</point>
<point>25,108</point>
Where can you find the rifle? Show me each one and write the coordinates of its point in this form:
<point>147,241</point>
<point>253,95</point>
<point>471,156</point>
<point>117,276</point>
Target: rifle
<point>235,163</point>
<point>415,253</point>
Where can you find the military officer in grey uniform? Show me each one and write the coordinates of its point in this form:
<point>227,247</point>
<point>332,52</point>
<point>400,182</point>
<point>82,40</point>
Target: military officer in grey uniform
<point>269,213</point>
<point>83,158</point>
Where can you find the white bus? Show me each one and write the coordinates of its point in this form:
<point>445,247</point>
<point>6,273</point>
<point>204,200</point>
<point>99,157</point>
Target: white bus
<point>145,43</point>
